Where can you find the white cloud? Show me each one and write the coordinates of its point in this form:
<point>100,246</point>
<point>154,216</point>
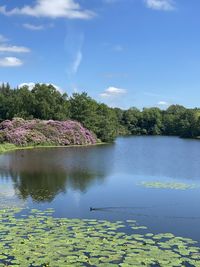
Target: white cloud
<point>163,103</point>
<point>52,9</point>
<point>57,87</point>
<point>30,85</point>
<point>33,27</point>
<point>14,49</point>
<point>10,62</point>
<point>166,5</point>
<point>113,92</point>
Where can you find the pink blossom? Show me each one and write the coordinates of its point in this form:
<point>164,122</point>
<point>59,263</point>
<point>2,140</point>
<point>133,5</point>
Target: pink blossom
<point>38,132</point>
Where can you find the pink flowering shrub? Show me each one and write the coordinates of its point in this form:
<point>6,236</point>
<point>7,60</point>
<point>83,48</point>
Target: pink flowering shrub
<point>37,132</point>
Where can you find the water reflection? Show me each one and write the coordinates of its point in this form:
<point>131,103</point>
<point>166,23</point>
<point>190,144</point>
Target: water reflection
<point>159,157</point>
<point>74,179</point>
<point>44,173</point>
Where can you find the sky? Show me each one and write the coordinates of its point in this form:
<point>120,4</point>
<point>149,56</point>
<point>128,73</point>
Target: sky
<point>124,53</point>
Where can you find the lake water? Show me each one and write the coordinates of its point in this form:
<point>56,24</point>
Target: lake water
<point>109,177</point>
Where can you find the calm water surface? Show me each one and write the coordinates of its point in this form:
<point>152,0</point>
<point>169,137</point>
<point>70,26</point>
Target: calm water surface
<point>71,180</point>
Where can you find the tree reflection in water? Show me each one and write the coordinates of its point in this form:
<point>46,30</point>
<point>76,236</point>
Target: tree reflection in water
<point>44,173</point>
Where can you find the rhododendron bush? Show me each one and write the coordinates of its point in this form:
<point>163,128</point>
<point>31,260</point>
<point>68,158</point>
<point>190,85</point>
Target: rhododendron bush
<point>37,132</point>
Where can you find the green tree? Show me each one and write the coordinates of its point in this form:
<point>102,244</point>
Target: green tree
<point>84,109</point>
<point>49,103</point>
<point>98,118</point>
<point>151,121</point>
<point>131,118</point>
<point>171,120</point>
<point>24,103</point>
<point>106,123</point>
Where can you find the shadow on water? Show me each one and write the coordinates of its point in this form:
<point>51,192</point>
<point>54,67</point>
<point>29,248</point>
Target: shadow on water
<point>44,173</point>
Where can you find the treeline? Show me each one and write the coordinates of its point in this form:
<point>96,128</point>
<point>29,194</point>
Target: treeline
<point>45,102</point>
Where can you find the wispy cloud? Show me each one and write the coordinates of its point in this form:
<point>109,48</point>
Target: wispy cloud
<point>33,27</point>
<point>73,44</point>
<point>113,92</point>
<point>5,48</point>
<point>77,61</point>
<point>166,5</point>
<point>14,49</point>
<point>53,9</point>
<point>10,62</point>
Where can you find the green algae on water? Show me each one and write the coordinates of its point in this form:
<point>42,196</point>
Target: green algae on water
<point>39,240</point>
<point>168,185</point>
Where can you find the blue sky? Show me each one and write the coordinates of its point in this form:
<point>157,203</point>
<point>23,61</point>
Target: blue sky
<point>121,52</point>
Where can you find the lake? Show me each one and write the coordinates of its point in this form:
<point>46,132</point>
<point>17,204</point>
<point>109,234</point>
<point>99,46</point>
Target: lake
<point>114,179</point>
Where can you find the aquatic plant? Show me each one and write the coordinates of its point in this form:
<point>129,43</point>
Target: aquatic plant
<point>168,185</point>
<point>37,132</point>
<point>36,238</point>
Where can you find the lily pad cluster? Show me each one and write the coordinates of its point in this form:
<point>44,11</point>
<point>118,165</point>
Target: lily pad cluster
<point>169,185</point>
<point>36,238</point>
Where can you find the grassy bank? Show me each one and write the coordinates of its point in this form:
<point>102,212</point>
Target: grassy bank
<point>11,147</point>
<point>7,147</point>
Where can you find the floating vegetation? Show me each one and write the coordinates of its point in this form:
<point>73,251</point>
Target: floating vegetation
<point>168,185</point>
<point>38,239</point>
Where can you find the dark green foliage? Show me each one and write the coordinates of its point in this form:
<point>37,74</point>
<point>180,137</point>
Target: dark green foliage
<point>152,121</point>
<point>171,120</point>
<point>48,103</point>
<point>175,121</point>
<point>83,109</point>
<point>45,102</point>
<point>132,119</point>
<point>106,123</point>
<point>99,118</point>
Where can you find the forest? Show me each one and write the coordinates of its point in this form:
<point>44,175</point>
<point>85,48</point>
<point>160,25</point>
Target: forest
<point>44,102</point>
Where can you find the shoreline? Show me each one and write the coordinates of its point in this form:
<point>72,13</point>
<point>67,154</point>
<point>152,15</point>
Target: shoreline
<point>7,147</point>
